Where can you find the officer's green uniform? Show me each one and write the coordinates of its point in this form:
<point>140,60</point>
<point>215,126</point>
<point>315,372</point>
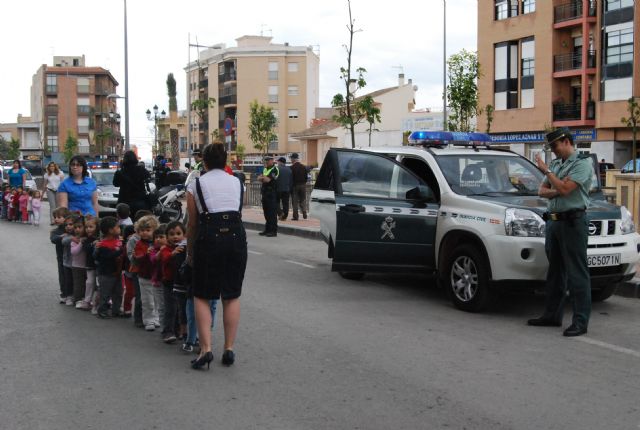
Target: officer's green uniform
<point>566,243</point>
<point>269,192</point>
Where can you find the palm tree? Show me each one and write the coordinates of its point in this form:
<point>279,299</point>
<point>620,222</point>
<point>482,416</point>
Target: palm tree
<point>173,122</point>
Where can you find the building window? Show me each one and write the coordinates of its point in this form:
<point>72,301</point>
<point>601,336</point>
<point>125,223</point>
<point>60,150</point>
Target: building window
<point>273,94</point>
<point>273,71</point>
<point>83,85</point>
<point>292,67</point>
<point>505,9</point>
<point>506,75</point>
<point>528,67</point>
<point>528,6</point>
<point>83,125</point>
<point>83,106</point>
<point>273,145</point>
<point>619,46</point>
<point>527,72</point>
<point>292,90</point>
<point>52,143</point>
<point>52,125</point>
<point>293,113</point>
<point>83,145</point>
<point>183,144</point>
<point>52,84</point>
<point>617,4</point>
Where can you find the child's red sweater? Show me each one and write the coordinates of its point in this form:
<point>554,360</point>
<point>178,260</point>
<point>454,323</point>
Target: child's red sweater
<point>141,262</point>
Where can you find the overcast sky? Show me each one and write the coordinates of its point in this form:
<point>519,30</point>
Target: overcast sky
<point>405,33</point>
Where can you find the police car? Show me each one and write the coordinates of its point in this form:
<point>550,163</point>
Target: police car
<point>453,206</point>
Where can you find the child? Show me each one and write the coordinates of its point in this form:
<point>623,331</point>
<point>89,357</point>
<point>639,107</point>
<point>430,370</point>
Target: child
<point>79,263</point>
<point>23,201</point>
<point>36,204</point>
<point>137,310</point>
<point>66,259</point>
<point>128,278</point>
<point>171,255</point>
<point>59,215</point>
<point>123,212</point>
<point>142,266</point>
<point>8,200</point>
<point>159,240</point>
<point>108,257</point>
<point>3,202</point>
<point>91,293</point>
<point>15,203</point>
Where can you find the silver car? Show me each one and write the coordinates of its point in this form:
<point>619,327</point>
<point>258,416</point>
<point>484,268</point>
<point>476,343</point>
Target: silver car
<point>107,192</point>
<point>29,183</point>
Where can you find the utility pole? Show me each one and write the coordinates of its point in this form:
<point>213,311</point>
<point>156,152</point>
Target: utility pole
<point>126,82</point>
<point>444,67</point>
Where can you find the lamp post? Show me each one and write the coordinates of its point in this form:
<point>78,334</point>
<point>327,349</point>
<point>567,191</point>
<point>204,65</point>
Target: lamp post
<point>444,66</point>
<point>155,117</point>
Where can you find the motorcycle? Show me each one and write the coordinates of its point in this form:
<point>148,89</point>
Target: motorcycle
<point>166,203</point>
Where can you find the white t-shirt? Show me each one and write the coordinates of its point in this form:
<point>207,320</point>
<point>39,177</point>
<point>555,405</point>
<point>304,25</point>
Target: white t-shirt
<point>221,191</point>
<point>53,180</point>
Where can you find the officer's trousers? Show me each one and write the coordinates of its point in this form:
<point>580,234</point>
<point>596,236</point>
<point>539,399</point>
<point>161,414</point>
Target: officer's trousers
<point>566,249</point>
<point>270,209</point>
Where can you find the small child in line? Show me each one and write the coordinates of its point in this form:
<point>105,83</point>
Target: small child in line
<point>170,256</point>
<point>124,214</point>
<point>141,264</point>
<point>5,206</point>
<point>59,215</point>
<point>108,256</point>
<point>91,292</point>
<point>79,263</point>
<point>128,279</point>
<point>36,204</point>
<point>159,240</point>
<point>23,201</point>
<point>66,260</point>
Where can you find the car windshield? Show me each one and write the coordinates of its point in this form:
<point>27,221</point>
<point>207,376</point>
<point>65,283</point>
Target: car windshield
<point>103,178</point>
<point>490,174</point>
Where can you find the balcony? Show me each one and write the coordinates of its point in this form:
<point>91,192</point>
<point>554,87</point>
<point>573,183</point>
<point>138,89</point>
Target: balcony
<point>227,76</point>
<point>572,111</point>
<point>203,84</point>
<point>51,109</point>
<point>231,99</point>
<point>572,10</point>
<point>84,110</point>
<point>203,126</point>
<point>573,61</point>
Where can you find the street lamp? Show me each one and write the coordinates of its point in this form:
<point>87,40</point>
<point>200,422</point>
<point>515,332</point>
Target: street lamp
<point>444,65</point>
<point>155,117</point>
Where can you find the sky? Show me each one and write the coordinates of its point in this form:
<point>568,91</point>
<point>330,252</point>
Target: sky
<point>400,35</point>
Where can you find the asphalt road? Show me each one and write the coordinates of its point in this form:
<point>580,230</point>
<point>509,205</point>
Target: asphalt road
<point>314,351</point>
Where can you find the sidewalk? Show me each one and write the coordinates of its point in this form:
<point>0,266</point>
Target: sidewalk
<point>253,219</point>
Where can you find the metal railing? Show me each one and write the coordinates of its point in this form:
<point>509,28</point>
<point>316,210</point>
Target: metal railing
<point>227,76</point>
<point>572,61</point>
<point>572,10</point>
<point>572,111</point>
<point>228,100</point>
<point>252,196</point>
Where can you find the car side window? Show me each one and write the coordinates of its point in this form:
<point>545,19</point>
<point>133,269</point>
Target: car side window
<point>376,176</point>
<point>325,179</point>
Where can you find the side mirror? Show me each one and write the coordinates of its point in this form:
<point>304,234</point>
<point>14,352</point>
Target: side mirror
<point>421,193</point>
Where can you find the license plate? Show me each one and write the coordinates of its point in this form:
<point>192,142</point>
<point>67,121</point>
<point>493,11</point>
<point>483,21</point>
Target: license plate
<point>603,260</point>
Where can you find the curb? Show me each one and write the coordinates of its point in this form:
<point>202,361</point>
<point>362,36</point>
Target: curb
<point>306,233</point>
<point>629,289</point>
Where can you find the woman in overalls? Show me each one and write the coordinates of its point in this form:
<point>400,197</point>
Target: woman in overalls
<point>216,250</point>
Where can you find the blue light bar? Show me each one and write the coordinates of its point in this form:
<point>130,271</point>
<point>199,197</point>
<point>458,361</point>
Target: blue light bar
<point>445,137</point>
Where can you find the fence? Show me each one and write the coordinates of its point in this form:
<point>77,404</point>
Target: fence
<point>252,195</point>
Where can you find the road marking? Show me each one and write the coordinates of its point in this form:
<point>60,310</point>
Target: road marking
<point>609,346</point>
<point>254,252</point>
<point>308,266</point>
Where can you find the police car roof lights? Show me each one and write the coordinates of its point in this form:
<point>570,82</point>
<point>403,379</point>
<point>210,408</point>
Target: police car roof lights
<point>443,138</point>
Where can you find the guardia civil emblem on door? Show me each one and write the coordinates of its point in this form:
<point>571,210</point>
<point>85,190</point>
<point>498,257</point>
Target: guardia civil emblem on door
<point>387,226</point>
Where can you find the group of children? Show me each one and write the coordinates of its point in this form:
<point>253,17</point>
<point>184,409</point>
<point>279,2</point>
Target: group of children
<point>20,204</point>
<point>107,265</point>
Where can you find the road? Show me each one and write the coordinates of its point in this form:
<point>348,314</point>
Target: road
<point>314,351</point>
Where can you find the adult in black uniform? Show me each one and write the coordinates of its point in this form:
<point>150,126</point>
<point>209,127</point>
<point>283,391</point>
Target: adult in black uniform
<point>269,191</point>
<point>285,184</point>
<point>216,250</point>
<point>566,185</point>
<point>132,180</point>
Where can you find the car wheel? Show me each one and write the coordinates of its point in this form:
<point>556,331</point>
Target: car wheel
<point>352,276</point>
<point>603,293</point>
<point>467,279</point>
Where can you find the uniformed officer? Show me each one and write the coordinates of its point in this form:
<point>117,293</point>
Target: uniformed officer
<point>566,185</point>
<point>269,193</point>
<point>197,157</point>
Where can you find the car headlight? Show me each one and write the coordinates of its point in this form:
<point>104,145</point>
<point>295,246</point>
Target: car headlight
<point>627,225</point>
<point>105,195</point>
<point>524,223</point>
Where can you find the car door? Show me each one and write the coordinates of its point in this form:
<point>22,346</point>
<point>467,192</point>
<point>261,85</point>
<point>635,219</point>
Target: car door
<point>385,215</point>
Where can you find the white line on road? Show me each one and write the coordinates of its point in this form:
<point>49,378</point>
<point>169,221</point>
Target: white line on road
<point>609,346</point>
<point>308,266</point>
<point>254,252</point>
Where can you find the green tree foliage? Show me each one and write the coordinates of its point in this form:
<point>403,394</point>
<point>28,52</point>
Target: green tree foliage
<point>632,121</point>
<point>70,146</point>
<point>14,148</point>
<point>173,126</point>
<point>462,91</point>
<point>171,92</point>
<point>240,152</point>
<point>488,109</point>
<point>201,106</point>
<point>351,111</point>
<point>262,123</point>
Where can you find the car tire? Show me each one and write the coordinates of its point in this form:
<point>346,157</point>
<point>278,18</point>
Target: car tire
<point>603,293</point>
<point>352,276</point>
<point>466,279</point>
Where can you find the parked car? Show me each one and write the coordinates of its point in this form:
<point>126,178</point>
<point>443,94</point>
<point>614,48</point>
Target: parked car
<point>107,192</point>
<point>628,167</point>
<point>30,182</point>
<point>470,215</point>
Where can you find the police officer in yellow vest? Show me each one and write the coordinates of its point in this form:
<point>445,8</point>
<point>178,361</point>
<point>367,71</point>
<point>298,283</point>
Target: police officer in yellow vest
<point>269,192</point>
<point>566,185</point>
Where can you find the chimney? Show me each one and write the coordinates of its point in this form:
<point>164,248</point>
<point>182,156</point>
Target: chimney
<point>410,81</point>
<point>400,79</point>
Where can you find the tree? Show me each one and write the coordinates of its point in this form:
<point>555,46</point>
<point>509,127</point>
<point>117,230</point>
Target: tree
<point>371,113</point>
<point>489,111</point>
<point>350,111</point>
<point>262,122</point>
<point>13,151</point>
<point>462,91</point>
<point>632,121</point>
<point>173,122</point>
<point>70,147</point>
<point>201,106</point>
<point>4,149</point>
<point>240,151</point>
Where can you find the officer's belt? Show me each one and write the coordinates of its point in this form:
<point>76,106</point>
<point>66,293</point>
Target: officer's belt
<point>563,216</point>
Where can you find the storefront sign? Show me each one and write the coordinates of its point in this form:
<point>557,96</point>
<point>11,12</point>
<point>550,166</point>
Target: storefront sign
<point>587,135</point>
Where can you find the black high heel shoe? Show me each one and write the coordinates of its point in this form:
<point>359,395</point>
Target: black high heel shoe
<point>199,362</point>
<point>228,357</point>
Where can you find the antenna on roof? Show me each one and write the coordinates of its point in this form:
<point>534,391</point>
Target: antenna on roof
<point>399,67</point>
<point>262,30</point>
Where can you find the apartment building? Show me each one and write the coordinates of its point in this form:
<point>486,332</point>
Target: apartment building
<point>164,137</point>
<point>70,98</point>
<point>558,63</point>
<point>27,132</point>
<point>278,75</point>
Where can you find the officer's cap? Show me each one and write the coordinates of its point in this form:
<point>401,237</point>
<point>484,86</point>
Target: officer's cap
<point>282,160</point>
<point>267,158</point>
<point>295,156</point>
<point>197,152</point>
<point>558,134</point>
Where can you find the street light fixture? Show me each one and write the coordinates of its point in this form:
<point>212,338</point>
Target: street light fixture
<point>155,117</point>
